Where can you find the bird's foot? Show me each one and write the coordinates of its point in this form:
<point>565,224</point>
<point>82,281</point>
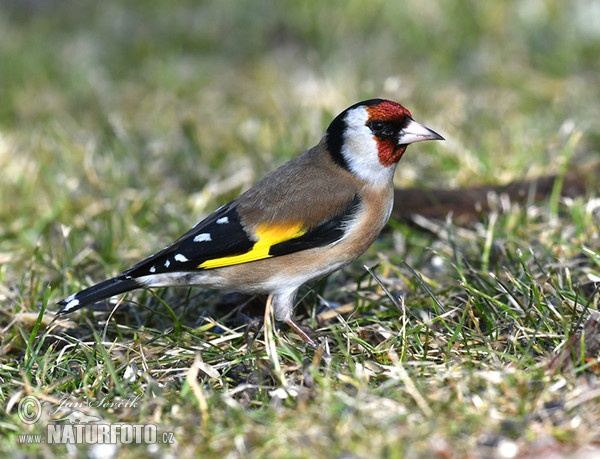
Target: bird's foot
<point>307,339</point>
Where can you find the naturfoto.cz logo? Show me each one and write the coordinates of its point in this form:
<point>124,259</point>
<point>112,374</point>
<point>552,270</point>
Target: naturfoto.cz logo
<point>105,434</point>
<point>71,403</point>
<point>76,427</point>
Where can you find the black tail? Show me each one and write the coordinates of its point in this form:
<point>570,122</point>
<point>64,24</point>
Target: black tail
<point>101,291</point>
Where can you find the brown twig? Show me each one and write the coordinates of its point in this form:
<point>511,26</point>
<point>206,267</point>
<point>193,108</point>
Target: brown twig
<point>468,204</point>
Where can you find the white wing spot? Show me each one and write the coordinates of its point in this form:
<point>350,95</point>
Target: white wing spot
<point>203,237</point>
<point>180,257</point>
<point>167,263</point>
<point>222,221</point>
<point>152,269</point>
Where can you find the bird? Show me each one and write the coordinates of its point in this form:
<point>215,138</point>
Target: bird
<point>306,219</point>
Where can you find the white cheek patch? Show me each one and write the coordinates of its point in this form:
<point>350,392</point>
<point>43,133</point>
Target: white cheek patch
<point>360,149</point>
<point>204,237</point>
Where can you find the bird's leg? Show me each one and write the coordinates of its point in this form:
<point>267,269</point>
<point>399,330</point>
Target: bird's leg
<point>307,339</point>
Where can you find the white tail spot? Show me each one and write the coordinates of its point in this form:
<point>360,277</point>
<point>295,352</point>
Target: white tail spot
<point>222,221</point>
<point>70,305</point>
<point>180,257</point>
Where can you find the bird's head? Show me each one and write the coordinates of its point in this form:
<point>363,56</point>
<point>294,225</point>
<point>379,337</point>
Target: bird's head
<point>370,137</point>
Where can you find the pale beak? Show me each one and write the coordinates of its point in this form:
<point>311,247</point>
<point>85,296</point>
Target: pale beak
<point>415,132</point>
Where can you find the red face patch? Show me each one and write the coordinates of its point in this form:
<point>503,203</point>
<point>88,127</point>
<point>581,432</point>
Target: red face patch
<point>387,111</point>
<point>389,152</point>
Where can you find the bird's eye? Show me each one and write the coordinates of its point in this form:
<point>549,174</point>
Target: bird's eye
<point>377,127</point>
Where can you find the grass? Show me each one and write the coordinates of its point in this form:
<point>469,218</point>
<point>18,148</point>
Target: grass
<point>122,124</point>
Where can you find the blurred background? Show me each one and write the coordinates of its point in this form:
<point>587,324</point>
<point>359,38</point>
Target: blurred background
<point>126,121</point>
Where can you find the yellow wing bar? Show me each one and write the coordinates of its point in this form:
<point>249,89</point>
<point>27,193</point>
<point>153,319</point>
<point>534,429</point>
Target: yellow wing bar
<point>268,236</point>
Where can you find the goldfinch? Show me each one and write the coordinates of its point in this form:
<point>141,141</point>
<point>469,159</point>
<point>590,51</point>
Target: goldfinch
<point>308,218</point>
